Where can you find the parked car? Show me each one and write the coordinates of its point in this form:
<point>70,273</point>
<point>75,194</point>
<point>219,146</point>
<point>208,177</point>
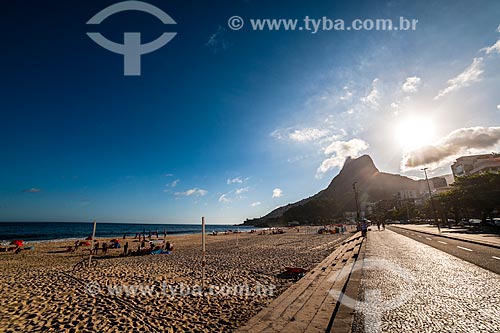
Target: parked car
<point>493,222</point>
<point>474,221</point>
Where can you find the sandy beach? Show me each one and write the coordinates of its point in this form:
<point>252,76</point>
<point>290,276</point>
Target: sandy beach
<point>42,293</point>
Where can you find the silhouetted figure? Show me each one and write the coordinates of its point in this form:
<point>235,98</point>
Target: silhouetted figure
<point>96,247</point>
<point>105,247</point>
<point>364,228</point>
<point>125,248</point>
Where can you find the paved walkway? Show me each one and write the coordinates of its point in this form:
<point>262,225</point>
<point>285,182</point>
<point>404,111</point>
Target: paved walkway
<point>484,239</point>
<point>408,286</point>
<point>308,305</point>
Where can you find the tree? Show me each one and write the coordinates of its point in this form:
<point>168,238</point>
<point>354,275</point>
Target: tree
<point>477,194</point>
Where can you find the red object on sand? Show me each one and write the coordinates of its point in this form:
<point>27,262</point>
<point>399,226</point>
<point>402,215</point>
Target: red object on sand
<point>296,270</point>
<point>17,242</point>
<point>115,241</point>
<point>85,243</point>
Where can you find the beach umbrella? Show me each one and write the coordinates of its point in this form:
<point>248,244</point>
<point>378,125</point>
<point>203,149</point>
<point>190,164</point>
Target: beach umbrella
<point>17,242</point>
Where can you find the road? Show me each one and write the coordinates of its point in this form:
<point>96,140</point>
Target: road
<point>484,256</point>
<point>408,286</point>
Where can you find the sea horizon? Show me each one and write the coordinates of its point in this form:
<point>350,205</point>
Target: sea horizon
<point>51,231</point>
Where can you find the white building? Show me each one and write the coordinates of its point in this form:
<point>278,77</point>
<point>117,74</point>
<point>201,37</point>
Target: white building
<point>475,164</point>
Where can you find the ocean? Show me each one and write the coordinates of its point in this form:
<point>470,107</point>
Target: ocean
<point>43,231</point>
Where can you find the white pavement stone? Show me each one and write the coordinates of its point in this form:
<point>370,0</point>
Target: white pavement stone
<point>448,294</point>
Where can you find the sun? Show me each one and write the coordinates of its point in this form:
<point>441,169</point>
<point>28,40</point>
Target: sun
<point>415,132</point>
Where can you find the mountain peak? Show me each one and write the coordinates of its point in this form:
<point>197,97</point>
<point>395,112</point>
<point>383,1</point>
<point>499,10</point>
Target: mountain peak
<point>331,203</point>
<point>362,165</point>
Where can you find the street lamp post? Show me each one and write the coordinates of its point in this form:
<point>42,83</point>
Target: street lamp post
<point>432,200</point>
<point>356,200</point>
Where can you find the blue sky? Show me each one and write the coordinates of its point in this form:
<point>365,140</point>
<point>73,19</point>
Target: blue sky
<point>230,124</point>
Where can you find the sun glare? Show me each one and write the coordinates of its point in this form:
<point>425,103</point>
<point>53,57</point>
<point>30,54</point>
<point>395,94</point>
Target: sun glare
<point>415,132</point>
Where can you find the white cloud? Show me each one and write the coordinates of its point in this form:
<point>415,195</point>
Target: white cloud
<point>32,190</point>
<point>311,134</point>
<point>394,105</point>
<point>224,199</point>
<point>169,175</point>
<point>493,48</point>
<point>171,185</point>
<point>307,134</point>
<point>498,29</point>
<point>255,204</point>
<point>339,151</point>
<point>347,148</point>
<point>456,143</point>
<point>237,180</point>
<point>217,41</point>
<point>277,134</point>
<point>242,190</point>
<point>412,84</point>
<point>277,193</point>
<point>194,191</point>
<point>347,94</point>
<point>469,75</point>
<point>498,106</point>
<point>372,99</point>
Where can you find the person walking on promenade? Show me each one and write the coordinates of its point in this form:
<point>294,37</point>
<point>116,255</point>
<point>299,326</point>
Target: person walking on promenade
<point>378,225</point>
<point>364,228</point>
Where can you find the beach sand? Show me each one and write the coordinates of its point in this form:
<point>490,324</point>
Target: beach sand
<point>40,291</point>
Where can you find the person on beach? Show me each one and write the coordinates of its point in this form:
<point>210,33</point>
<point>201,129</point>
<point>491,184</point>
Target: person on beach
<point>125,248</point>
<point>104,247</point>
<point>383,225</point>
<point>96,247</point>
<point>378,225</point>
<point>169,247</point>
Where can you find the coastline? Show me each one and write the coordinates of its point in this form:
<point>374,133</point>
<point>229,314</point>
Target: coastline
<point>45,293</point>
<point>62,231</point>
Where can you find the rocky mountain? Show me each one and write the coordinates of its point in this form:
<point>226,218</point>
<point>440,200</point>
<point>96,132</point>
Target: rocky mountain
<point>372,186</point>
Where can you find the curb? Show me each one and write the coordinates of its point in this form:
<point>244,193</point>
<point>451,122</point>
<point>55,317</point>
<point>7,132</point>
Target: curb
<point>343,316</point>
<point>449,237</point>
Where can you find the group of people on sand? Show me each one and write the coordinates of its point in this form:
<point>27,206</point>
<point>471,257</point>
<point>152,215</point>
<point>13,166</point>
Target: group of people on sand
<point>15,249</point>
<point>142,248</point>
<point>152,248</point>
